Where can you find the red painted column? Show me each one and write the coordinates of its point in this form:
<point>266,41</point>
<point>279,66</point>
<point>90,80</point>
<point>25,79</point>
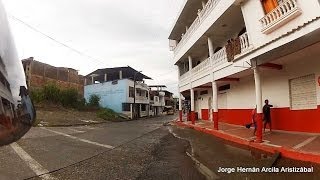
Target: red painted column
<point>258,89</point>
<point>180,115</point>
<point>259,128</point>
<point>215,120</point>
<point>193,117</point>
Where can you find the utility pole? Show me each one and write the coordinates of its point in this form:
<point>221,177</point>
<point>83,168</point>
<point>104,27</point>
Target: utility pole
<point>134,94</point>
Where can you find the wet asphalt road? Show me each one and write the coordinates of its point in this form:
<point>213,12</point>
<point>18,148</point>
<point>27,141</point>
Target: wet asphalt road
<point>142,149</point>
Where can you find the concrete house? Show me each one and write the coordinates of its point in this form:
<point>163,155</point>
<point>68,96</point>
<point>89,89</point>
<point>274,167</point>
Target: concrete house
<point>160,100</point>
<point>234,54</point>
<point>121,89</point>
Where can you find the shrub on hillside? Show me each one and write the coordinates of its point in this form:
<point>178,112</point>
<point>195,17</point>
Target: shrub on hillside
<point>51,93</point>
<point>94,100</point>
<point>37,95</point>
<point>69,97</point>
<point>107,114</point>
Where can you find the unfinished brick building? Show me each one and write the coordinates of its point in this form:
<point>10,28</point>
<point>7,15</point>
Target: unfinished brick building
<point>39,74</point>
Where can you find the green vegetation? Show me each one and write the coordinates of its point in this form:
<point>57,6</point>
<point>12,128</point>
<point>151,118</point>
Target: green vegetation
<point>51,93</point>
<point>94,100</point>
<point>70,98</point>
<point>107,114</point>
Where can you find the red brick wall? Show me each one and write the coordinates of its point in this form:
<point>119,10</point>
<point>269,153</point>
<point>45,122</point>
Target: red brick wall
<point>42,74</point>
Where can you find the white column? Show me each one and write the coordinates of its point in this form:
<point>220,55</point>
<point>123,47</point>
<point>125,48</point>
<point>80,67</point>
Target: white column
<point>257,80</point>
<point>214,96</point>
<point>192,99</point>
<point>187,28</point>
<point>92,79</point>
<point>85,81</point>
<point>105,77</point>
<point>131,111</point>
<point>203,4</point>
<point>180,102</point>
<point>210,46</point>
<point>120,74</point>
<point>190,62</point>
<point>178,73</point>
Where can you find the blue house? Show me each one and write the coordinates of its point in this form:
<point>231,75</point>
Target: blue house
<point>116,89</point>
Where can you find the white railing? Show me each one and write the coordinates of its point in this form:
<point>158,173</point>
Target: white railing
<point>244,42</point>
<point>202,14</point>
<point>204,65</point>
<point>141,98</point>
<point>284,9</point>
<point>184,77</point>
<point>219,57</point>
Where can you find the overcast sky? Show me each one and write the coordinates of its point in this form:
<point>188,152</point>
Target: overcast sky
<point>114,32</point>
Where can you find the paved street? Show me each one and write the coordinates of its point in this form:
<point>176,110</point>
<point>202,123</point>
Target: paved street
<point>141,149</point>
<point>107,151</point>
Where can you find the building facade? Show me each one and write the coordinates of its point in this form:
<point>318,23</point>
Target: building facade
<point>39,74</point>
<point>121,89</point>
<point>234,54</point>
<point>160,100</point>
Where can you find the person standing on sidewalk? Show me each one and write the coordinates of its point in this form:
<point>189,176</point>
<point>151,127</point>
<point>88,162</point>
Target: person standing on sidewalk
<point>266,114</point>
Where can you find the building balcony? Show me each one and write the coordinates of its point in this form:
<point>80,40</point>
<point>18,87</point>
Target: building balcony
<point>202,14</point>
<point>220,59</point>
<point>286,11</point>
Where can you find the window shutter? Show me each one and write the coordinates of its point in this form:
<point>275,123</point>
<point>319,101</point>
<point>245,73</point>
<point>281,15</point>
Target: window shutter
<point>269,5</point>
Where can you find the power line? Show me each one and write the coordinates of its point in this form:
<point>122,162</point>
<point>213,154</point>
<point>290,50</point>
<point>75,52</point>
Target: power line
<point>55,40</point>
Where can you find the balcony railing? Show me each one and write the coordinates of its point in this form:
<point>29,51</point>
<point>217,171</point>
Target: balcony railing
<point>244,42</point>
<point>202,14</point>
<point>184,77</point>
<point>141,98</point>
<point>218,58</point>
<point>285,11</point>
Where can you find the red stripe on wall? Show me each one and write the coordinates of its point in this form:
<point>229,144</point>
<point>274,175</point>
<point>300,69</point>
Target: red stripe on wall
<point>235,116</point>
<point>205,114</point>
<point>282,118</point>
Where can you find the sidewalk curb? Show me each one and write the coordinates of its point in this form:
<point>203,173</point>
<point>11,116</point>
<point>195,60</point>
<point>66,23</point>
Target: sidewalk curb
<point>285,152</point>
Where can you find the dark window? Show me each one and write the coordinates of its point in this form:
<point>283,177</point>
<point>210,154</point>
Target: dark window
<point>131,92</point>
<point>143,107</point>
<point>217,49</point>
<point>125,107</point>
<point>203,92</point>
<point>224,87</point>
<point>114,82</point>
<point>147,94</point>
<point>138,92</point>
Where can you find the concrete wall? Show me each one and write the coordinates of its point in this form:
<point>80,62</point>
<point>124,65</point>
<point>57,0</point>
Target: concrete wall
<point>112,95</point>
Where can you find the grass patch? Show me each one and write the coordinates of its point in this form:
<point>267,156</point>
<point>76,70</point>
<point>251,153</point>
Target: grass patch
<point>108,114</point>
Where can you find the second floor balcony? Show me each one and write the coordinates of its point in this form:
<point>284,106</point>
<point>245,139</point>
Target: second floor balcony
<point>284,12</point>
<point>226,55</point>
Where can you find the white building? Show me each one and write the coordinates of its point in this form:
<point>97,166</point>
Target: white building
<point>233,54</point>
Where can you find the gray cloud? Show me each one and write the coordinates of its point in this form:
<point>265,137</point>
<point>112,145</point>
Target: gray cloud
<point>119,33</point>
